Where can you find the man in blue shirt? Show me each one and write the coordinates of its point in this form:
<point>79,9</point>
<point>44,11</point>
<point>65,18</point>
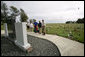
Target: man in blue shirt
<point>35,26</point>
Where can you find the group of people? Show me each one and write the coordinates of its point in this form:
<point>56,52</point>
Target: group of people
<point>37,27</point>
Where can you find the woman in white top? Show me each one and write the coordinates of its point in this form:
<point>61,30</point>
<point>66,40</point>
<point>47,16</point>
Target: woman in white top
<point>31,27</point>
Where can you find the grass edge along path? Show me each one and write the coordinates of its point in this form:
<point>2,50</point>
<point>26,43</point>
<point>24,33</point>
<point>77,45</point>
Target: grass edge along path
<point>64,29</point>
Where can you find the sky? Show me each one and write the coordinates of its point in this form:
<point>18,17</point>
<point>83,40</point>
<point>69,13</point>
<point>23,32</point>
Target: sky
<point>51,11</point>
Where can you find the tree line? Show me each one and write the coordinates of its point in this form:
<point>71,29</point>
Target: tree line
<point>80,20</point>
<point>8,15</point>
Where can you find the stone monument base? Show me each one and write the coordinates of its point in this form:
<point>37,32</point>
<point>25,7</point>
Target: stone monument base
<point>26,47</point>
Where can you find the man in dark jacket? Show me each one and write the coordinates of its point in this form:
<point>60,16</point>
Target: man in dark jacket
<point>40,27</point>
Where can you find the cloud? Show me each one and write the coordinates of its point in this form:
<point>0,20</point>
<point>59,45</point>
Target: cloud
<point>51,11</point>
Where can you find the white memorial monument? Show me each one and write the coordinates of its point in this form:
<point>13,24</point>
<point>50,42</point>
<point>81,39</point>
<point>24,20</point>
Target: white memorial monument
<point>21,36</point>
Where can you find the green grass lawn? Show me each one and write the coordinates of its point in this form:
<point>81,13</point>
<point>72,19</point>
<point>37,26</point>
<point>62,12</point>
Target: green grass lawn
<point>64,29</point>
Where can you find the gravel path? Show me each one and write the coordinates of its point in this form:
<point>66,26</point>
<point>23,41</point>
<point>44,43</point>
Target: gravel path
<point>41,47</point>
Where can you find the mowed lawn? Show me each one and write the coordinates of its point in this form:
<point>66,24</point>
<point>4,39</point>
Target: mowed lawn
<point>64,29</point>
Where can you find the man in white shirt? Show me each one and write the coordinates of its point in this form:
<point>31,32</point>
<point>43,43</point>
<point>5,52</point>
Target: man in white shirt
<point>43,27</point>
